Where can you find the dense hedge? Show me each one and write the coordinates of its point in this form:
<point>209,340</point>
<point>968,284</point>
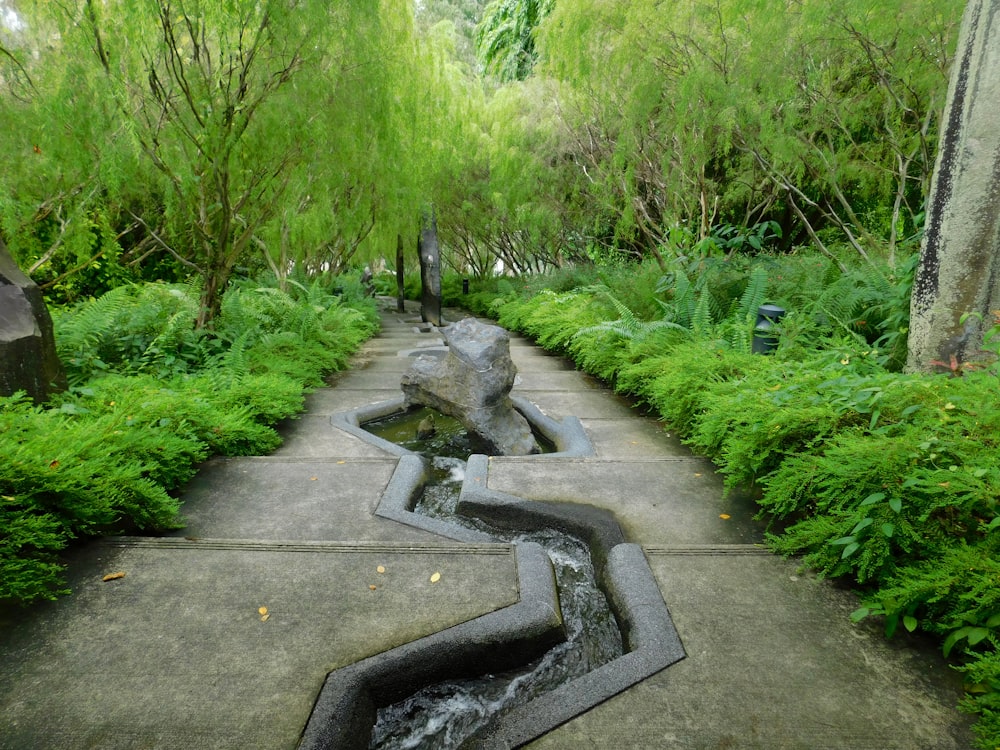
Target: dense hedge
<point>884,479</point>
<point>151,397</point>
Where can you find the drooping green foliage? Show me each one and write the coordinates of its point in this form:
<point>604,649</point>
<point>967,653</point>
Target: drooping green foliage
<point>211,140</point>
<point>505,38</point>
<point>818,118</point>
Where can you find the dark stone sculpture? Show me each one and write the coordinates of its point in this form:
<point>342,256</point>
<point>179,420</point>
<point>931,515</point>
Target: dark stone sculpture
<point>28,360</point>
<point>472,383</point>
<point>430,272</point>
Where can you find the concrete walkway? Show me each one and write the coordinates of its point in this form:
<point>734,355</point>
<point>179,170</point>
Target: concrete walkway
<point>221,636</point>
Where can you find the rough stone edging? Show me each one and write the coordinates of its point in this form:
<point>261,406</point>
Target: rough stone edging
<point>567,434</point>
<point>345,710</point>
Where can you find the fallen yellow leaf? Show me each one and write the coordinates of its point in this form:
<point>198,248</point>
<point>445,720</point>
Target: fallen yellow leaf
<point>371,586</point>
<point>262,610</point>
<point>724,516</point>
<point>264,618</point>
<point>113,576</point>
<point>313,479</point>
<point>435,578</point>
<point>380,569</point>
<point>697,475</point>
<point>341,462</point>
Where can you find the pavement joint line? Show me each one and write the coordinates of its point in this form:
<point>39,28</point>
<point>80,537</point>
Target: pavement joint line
<point>333,460</point>
<point>707,549</point>
<point>497,548</point>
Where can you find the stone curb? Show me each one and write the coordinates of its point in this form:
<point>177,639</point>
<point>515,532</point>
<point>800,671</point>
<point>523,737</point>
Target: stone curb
<point>346,709</point>
<point>650,639</point>
<point>567,434</point>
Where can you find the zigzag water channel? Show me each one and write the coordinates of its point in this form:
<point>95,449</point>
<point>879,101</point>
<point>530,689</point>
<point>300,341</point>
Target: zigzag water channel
<point>607,624</point>
<point>445,715</point>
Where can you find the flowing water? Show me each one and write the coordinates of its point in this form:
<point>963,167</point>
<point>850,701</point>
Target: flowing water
<point>446,714</point>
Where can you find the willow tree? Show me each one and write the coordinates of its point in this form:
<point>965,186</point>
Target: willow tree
<point>744,111</point>
<point>505,38</point>
<point>56,143</point>
<point>354,119</point>
<point>195,82</point>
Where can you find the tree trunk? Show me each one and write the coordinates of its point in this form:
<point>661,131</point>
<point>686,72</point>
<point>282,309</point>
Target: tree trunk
<point>959,271</point>
<point>400,276</point>
<point>214,282</point>
<point>430,271</point>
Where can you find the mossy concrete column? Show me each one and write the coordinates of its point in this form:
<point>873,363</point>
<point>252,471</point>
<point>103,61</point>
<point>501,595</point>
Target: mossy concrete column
<point>28,360</point>
<point>959,269</point>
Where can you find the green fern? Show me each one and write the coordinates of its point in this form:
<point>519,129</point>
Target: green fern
<point>754,295</point>
<point>701,321</point>
<point>628,325</point>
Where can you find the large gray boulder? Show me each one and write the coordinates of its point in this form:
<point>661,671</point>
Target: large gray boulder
<point>472,384</point>
<point>28,360</point>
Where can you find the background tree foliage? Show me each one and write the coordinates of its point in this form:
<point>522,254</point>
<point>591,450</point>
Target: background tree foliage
<point>699,114</point>
<point>169,138</point>
<point>176,138</point>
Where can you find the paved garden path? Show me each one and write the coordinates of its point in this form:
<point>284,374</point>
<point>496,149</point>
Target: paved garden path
<point>221,636</point>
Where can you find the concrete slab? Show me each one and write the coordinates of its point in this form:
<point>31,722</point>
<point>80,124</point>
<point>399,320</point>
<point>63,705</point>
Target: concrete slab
<point>315,437</point>
<point>590,403</point>
<point>178,654</point>
<point>774,663</point>
<point>370,379</point>
<point>329,401</point>
<point>292,498</point>
<point>529,358</point>
<point>389,343</point>
<point>656,501</point>
<point>556,381</point>
<point>633,438</point>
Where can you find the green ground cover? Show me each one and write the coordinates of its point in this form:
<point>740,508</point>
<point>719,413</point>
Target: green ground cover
<point>150,397</point>
<point>886,480</point>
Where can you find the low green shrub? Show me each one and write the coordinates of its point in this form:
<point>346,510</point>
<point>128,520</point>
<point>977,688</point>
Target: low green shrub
<point>149,403</point>
<point>889,481</point>
<point>61,478</point>
<point>677,382</point>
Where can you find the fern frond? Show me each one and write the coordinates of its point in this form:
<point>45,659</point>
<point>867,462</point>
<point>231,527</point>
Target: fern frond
<point>754,295</point>
<point>701,321</point>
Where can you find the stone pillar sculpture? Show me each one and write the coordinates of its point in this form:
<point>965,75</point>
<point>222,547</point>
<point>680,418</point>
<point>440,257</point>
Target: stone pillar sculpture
<point>28,360</point>
<point>400,276</point>
<point>959,269</point>
<point>430,271</point>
